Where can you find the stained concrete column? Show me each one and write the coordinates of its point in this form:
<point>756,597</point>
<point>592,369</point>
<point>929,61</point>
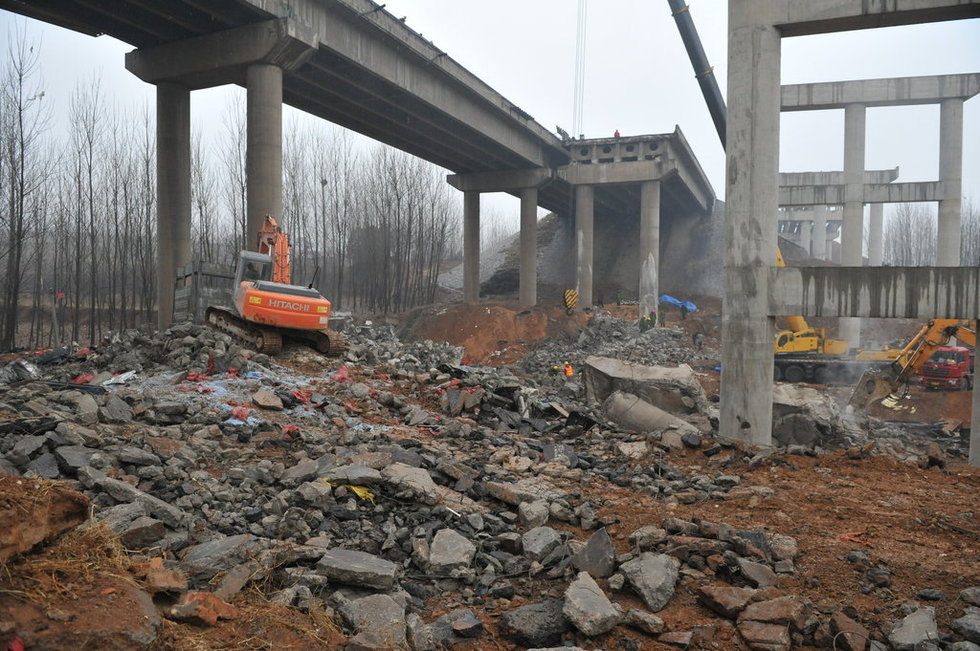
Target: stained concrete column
<point>875,234</point>
<point>750,222</point>
<point>951,175</point>
<point>529,247</point>
<point>805,226</point>
<point>173,192</point>
<point>852,233</point>
<point>819,240</point>
<point>584,209</point>
<point>471,247</point>
<point>649,247</point>
<point>263,156</point>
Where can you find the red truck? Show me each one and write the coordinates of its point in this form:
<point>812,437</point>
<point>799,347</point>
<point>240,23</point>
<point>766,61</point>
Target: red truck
<point>950,368</point>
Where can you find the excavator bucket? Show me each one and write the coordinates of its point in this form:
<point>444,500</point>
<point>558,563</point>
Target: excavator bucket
<point>873,386</point>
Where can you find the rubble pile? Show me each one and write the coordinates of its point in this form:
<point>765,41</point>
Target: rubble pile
<point>373,486</point>
<point>607,336</point>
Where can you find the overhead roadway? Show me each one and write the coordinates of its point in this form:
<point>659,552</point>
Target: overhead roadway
<point>370,73</point>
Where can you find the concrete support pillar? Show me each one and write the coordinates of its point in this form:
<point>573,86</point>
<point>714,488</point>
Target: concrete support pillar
<point>852,233</point>
<point>584,208</point>
<point>471,247</point>
<point>805,226</point>
<point>173,192</point>
<point>263,156</point>
<point>819,241</point>
<point>951,175</point>
<point>875,234</point>
<point>649,247</point>
<point>529,247</point>
<point>750,222</point>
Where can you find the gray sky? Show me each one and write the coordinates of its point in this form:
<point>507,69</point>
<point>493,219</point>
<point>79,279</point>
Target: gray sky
<point>638,77</point>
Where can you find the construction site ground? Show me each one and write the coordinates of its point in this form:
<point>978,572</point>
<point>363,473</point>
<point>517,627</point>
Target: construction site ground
<point>919,523</point>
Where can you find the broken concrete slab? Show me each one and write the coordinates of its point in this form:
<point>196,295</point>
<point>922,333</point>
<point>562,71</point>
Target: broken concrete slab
<point>357,568</point>
<point>588,608</point>
<point>654,577</point>
<point>633,413</point>
<point>675,390</point>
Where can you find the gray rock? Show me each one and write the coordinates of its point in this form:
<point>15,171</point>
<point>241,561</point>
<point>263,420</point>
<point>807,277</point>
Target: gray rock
<point>72,457</point>
<point>207,559</point>
<point>654,577</point>
<point>265,399</point>
<point>647,538</point>
<point>377,619</point>
<point>44,466</point>
<point>142,532</point>
<point>931,595</point>
<point>968,625</point>
<point>454,627</point>
<point>533,514</point>
<point>971,595</point>
<point>535,625</point>
<point>598,557</point>
<point>86,408</point>
<point>963,646</point>
<point>646,622</point>
<point>353,474</point>
<point>914,630</point>
<point>450,550</point>
<point>357,568</point>
<point>770,637</point>
<point>25,448</point>
<point>317,493</point>
<point>303,471</point>
<point>415,481</point>
<point>123,492</point>
<point>8,468</point>
<point>419,634</point>
<point>120,516</point>
<point>588,608</point>
<point>539,542</point>
<point>137,456</point>
<point>115,410</point>
<point>759,575</point>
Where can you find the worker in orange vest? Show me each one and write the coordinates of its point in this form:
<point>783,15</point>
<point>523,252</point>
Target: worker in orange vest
<point>568,370</point>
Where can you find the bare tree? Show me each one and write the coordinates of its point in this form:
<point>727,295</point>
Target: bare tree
<point>23,120</point>
<point>910,236</point>
<point>970,238</point>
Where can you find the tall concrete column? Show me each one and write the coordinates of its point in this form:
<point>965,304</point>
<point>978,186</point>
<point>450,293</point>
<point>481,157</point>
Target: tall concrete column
<point>750,222</point>
<point>529,247</point>
<point>263,156</point>
<point>173,192</point>
<point>875,234</point>
<point>471,247</point>
<point>852,230</point>
<point>805,226</point>
<point>819,240</point>
<point>649,247</point>
<point>584,208</point>
<point>951,176</point>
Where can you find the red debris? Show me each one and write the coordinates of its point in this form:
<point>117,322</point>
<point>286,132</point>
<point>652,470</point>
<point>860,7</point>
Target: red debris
<point>240,413</point>
<point>196,377</point>
<point>291,431</point>
<point>302,396</point>
<point>341,375</point>
<point>84,378</point>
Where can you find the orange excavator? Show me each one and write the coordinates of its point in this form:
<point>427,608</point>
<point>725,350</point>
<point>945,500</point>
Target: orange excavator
<point>268,308</point>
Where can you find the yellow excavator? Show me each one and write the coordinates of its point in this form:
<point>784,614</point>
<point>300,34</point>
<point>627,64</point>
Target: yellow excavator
<point>878,383</point>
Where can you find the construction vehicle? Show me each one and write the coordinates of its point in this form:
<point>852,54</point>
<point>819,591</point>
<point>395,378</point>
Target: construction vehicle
<point>952,368</point>
<point>268,308</point>
<point>878,383</point>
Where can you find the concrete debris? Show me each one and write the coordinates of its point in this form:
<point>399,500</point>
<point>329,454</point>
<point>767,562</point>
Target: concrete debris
<point>403,475</point>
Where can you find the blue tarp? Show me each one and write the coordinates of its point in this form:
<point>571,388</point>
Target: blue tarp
<point>691,307</point>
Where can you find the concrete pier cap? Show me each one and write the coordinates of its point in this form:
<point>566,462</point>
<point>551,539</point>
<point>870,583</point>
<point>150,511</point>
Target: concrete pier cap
<point>223,57</point>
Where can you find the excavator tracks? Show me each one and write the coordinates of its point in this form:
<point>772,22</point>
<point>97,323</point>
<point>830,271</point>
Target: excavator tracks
<point>269,340</point>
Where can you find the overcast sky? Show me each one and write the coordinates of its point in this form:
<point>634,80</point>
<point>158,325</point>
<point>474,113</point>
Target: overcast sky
<point>638,78</point>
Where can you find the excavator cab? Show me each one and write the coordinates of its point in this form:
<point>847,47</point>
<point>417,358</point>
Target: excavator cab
<point>253,267</point>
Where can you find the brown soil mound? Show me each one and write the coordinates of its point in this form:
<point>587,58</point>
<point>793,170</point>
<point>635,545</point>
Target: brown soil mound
<point>34,511</point>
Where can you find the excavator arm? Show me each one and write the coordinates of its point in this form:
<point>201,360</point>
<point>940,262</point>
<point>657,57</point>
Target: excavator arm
<point>274,243</point>
<point>878,383</point>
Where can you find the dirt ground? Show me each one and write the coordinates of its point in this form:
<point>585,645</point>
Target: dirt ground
<point>920,524</point>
